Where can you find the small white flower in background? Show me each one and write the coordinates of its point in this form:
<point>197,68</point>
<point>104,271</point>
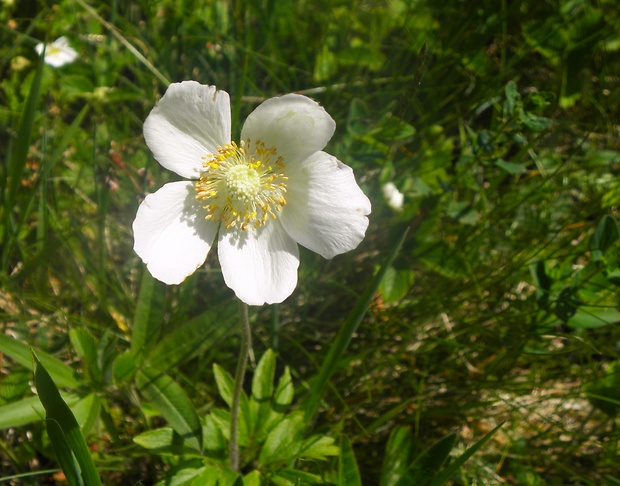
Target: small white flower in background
<point>58,53</point>
<point>393,196</point>
<point>261,198</point>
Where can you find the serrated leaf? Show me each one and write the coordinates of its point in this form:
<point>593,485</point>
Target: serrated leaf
<point>172,402</point>
<point>318,447</point>
<point>282,442</point>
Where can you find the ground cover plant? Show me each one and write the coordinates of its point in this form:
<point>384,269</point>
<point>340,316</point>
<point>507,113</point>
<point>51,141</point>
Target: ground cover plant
<point>470,338</point>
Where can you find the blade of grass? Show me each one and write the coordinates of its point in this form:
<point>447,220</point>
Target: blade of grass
<point>447,473</point>
<point>17,160</point>
<point>343,337</point>
<point>57,410</point>
<point>64,455</point>
<point>91,11</point>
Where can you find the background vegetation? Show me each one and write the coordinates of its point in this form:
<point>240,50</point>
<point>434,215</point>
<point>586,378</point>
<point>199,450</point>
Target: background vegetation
<point>497,120</point>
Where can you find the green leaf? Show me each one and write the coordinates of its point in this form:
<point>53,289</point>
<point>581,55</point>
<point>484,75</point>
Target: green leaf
<point>24,135</point>
<point>64,454</point>
<point>588,317</point>
<point>172,402</point>
<point>396,283</point>
<point>281,443</point>
<point>512,98</point>
<point>542,281</point>
<point>163,441</point>
<point>213,439</point>
<point>57,410</point>
<point>533,122</point>
<point>125,367</point>
<point>20,352</point>
<point>348,472</point>
<point>225,383</point>
<point>604,236</point>
<point>149,312</point>
<point>85,346</point>
<point>318,447</point>
<point>453,467</point>
<point>396,458</point>
<point>604,394</point>
<point>341,342</point>
<point>28,410</point>
<point>262,388</point>
<point>567,304</point>
<point>282,399</point>
<point>428,464</point>
<point>510,167</point>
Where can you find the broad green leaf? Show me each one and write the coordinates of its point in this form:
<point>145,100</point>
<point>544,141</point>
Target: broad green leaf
<point>282,442</point>
<point>163,441</point>
<point>56,409</point>
<point>221,418</point>
<point>262,389</point>
<point>86,412</point>
<point>396,283</point>
<point>348,472</point>
<point>149,312</point>
<point>253,479</point>
<point>567,304</point>
<point>588,317</point>
<point>125,367</point>
<point>15,385</point>
<point>341,342</point>
<point>172,402</point>
<point>604,236</point>
<point>225,383</point>
<point>396,458</point>
<point>294,477</point>
<point>20,352</point>
<point>213,440</point>
<point>455,464</point>
<point>428,464</point>
<point>28,410</point>
<point>85,346</point>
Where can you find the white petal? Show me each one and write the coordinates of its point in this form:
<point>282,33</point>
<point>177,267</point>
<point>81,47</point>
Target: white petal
<point>170,232</point>
<point>259,265</point>
<point>190,121</point>
<point>296,125</point>
<point>39,48</point>
<point>326,210</point>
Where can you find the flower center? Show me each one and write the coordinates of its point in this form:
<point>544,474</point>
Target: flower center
<point>241,187</point>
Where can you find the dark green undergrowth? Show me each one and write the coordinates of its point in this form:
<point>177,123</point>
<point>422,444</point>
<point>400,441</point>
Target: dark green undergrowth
<point>497,120</point>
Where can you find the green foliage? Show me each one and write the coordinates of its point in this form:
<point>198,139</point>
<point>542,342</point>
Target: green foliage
<point>497,122</point>
<point>272,437</point>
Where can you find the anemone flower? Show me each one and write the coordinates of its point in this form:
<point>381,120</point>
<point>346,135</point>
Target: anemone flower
<point>260,198</point>
<point>58,53</point>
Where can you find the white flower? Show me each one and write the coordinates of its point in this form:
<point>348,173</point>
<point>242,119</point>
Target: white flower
<point>58,53</point>
<point>393,196</point>
<point>261,198</point>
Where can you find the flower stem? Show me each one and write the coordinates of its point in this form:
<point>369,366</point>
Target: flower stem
<point>246,345</point>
